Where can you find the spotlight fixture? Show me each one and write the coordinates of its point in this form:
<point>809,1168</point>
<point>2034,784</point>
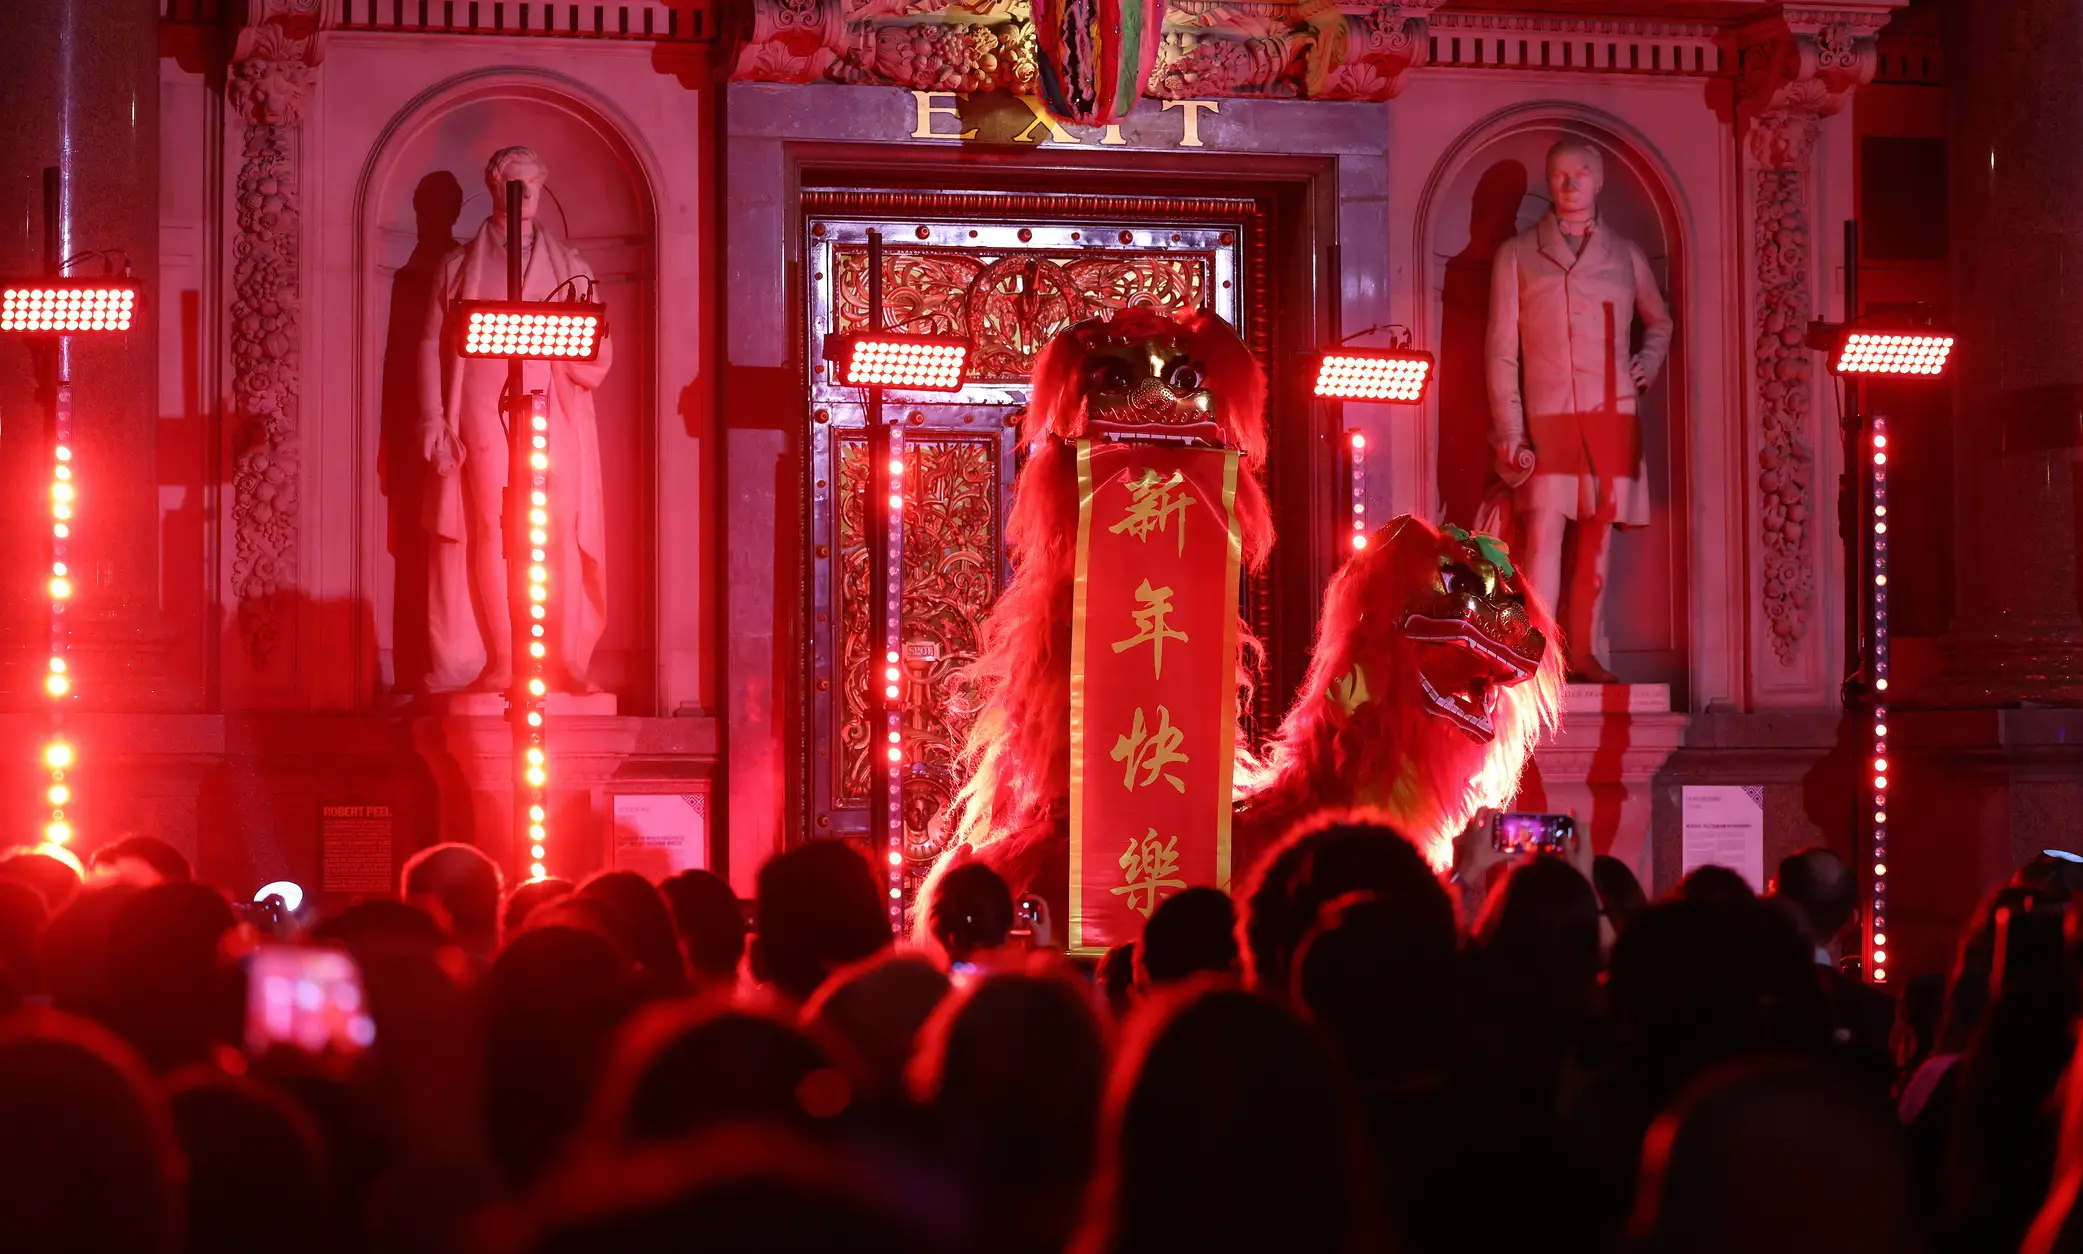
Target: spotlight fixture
<point>1393,375</point>
<point>1880,350</point>
<point>533,330</point>
<point>68,306</point>
<point>912,363</point>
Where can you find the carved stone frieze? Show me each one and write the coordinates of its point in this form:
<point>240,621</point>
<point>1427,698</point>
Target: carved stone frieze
<point>1794,69</point>
<point>1211,47</point>
<point>278,44</point>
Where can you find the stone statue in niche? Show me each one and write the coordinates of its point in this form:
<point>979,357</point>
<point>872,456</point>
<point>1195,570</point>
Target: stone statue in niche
<point>1564,297</point>
<point>463,437</point>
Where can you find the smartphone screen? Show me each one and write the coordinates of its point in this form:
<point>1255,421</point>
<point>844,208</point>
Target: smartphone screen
<point>306,999</point>
<point>1517,833</point>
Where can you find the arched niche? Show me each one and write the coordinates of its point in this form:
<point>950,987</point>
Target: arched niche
<point>424,193</point>
<point>1490,186</point>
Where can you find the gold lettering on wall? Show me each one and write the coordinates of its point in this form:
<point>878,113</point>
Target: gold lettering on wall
<point>1057,135</point>
<point>928,110</point>
<point>1192,137</point>
<point>1003,118</point>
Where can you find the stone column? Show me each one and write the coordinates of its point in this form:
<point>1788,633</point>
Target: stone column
<point>2017,196</point>
<point>276,48</point>
<point>1797,66</point>
<point>79,89</point>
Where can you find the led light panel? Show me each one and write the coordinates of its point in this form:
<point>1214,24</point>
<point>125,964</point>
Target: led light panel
<point>534,330</point>
<point>918,363</point>
<point>72,306</point>
<point>1395,375</point>
<point>1902,353</point>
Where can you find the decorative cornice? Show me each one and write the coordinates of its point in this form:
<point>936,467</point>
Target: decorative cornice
<point>1798,65</point>
<point>1555,24</point>
<point>1554,43</point>
<point>646,21</point>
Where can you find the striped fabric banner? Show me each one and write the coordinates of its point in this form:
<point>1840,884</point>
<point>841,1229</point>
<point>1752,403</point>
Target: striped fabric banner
<point>1095,56</point>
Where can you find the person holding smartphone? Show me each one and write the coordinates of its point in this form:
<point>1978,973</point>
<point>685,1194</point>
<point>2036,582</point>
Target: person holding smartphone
<point>972,917</point>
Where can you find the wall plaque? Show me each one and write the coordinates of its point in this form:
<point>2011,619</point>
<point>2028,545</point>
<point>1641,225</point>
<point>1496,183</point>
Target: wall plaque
<point>661,834</point>
<point>355,848</point>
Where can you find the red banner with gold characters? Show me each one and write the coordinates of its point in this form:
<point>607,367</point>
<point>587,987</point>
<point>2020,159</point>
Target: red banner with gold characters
<point>1153,682</point>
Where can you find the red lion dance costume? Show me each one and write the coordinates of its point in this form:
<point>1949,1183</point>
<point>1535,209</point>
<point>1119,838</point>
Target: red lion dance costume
<point>1141,374</point>
<point>1434,674</point>
<point>1431,678</point>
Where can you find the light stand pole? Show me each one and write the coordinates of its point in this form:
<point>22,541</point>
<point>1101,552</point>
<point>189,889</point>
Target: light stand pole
<point>1865,642</point>
<point>1859,347</point>
<point>527,549</point>
<point>51,309</point>
<point>1855,506</point>
<point>58,753</point>
<point>885,542</point>
<point>872,360</point>
<point>518,331</point>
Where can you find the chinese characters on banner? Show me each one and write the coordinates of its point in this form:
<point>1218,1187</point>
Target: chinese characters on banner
<point>1153,707</point>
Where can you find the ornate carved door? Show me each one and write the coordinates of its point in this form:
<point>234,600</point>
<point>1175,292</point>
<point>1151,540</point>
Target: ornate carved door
<point>1006,272</point>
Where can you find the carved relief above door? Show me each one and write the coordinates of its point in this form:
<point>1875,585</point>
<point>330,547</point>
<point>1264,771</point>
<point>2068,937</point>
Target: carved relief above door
<point>1006,273</point>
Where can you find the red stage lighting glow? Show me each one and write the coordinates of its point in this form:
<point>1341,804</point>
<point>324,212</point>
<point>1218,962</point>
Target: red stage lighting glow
<point>536,330</point>
<point>52,306</point>
<point>1396,375</point>
<point>915,363</point>
<point>1898,352</point>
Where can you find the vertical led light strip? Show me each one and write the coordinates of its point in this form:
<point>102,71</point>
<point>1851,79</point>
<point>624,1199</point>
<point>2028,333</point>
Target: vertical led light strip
<point>893,671</point>
<point>1877,952</point>
<point>530,733</point>
<point>1356,446</point>
<point>58,754</point>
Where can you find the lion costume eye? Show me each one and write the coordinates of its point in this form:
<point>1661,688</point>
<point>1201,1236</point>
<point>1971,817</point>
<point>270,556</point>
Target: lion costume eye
<point>1183,376</point>
<point>1110,376</point>
<point>1457,580</point>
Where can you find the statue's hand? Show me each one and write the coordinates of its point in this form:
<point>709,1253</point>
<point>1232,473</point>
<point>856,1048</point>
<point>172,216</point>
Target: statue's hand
<point>1515,465</point>
<point>438,446</point>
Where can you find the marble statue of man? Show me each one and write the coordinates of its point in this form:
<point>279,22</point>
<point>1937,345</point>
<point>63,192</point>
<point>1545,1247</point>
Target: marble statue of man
<point>463,437</point>
<point>1564,297</point>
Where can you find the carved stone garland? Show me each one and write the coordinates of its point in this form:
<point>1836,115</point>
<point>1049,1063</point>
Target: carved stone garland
<point>1793,76</point>
<point>267,87</point>
<point>1350,51</point>
<point>1786,465</point>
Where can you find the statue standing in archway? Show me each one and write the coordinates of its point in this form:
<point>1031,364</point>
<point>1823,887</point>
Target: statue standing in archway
<point>463,437</point>
<point>1564,297</point>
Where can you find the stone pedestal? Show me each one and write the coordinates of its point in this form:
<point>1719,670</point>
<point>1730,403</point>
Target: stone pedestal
<point>243,795</point>
<point>2017,185</point>
<point>1600,767</point>
<point>1793,756</point>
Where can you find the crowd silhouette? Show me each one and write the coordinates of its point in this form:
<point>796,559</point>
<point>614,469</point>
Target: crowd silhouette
<point>1352,1054</point>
